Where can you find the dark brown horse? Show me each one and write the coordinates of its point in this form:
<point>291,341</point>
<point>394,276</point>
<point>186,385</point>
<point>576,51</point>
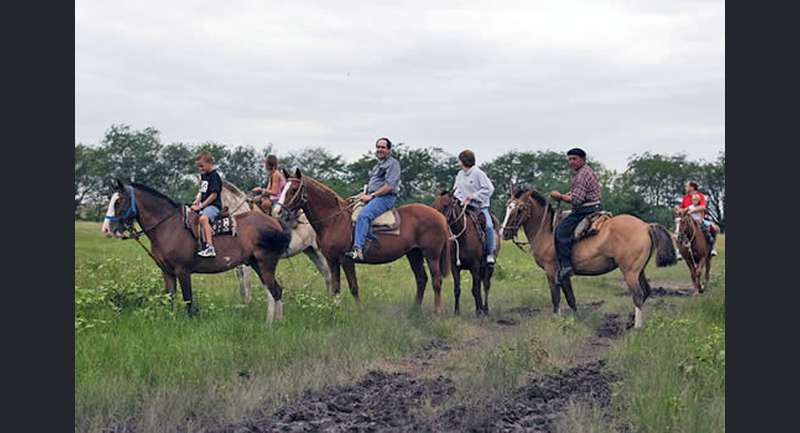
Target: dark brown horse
<point>469,254</point>
<point>260,242</point>
<point>423,235</point>
<point>624,241</point>
<point>695,250</point>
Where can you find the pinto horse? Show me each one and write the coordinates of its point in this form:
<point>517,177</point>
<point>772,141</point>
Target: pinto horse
<point>423,235</point>
<point>695,250</point>
<point>260,242</point>
<point>470,252</point>
<point>624,241</point>
<point>303,238</point>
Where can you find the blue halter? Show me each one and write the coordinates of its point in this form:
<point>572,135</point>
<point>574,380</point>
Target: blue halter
<point>132,209</point>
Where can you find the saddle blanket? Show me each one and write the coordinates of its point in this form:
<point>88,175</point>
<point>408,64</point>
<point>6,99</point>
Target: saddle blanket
<point>386,223</point>
<point>223,225</point>
<point>590,225</point>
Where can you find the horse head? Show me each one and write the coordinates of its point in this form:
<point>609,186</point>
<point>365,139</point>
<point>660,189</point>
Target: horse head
<point>294,195</point>
<point>122,210</point>
<point>446,203</point>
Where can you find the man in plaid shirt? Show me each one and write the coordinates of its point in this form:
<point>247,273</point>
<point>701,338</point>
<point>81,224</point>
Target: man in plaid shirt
<point>584,195</point>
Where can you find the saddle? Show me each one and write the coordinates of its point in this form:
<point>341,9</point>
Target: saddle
<point>590,224</point>
<point>387,223</point>
<point>477,216</point>
<point>224,224</point>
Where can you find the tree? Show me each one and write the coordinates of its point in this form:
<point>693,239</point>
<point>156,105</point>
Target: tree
<point>89,180</point>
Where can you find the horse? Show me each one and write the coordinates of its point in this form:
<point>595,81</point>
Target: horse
<point>304,239</point>
<point>695,250</point>
<point>623,241</point>
<point>260,243</point>
<point>423,235</point>
<point>470,252</point>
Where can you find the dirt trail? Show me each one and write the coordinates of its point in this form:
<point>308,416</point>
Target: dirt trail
<point>403,395</point>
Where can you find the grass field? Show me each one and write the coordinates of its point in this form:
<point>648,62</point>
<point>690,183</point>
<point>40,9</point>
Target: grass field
<point>141,366</point>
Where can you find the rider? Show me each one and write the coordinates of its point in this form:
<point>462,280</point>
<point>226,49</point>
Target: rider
<point>209,199</point>
<point>381,194</point>
<point>274,184</point>
<point>691,188</point>
<point>584,195</point>
<point>473,187</point>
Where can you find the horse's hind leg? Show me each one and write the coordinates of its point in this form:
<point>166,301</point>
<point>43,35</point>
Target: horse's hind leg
<point>415,260</point>
<point>486,278</point>
<point>265,268</point>
<point>555,294</point>
<point>476,289</point>
<point>436,282</point>
<point>456,287</point>
<point>349,267</point>
<point>708,273</point>
<point>702,265</point>
<point>632,279</point>
<point>243,275</point>
<point>169,287</point>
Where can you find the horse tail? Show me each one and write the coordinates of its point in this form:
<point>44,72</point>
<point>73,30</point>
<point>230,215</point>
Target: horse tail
<point>444,258</point>
<point>662,243</point>
<point>276,240</point>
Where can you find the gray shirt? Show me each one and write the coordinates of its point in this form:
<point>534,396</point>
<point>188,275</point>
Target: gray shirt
<point>385,171</point>
<point>474,183</point>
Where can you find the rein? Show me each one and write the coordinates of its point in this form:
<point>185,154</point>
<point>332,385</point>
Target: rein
<point>453,237</point>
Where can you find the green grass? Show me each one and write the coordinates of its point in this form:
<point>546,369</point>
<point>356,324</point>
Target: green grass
<point>138,363</point>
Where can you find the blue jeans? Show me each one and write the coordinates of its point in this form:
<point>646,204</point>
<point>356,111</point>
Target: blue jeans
<point>565,233</point>
<point>369,212</point>
<point>489,231</point>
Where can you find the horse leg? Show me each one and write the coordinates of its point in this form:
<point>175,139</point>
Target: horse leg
<point>436,280</point>
<point>566,286</point>
<point>313,252</point>
<point>476,289</point>
<point>632,279</point>
<point>185,279</point>
<point>456,287</point>
<point>701,265</point>
<point>708,273</point>
<point>693,274</point>
<point>349,267</point>
<point>265,268</point>
<point>415,260</point>
<point>486,278</point>
<point>169,286</point>
<point>243,275</point>
<point>555,294</point>
<point>336,276</point>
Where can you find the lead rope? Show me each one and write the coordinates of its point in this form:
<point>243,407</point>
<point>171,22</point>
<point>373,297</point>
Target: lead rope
<point>454,238</point>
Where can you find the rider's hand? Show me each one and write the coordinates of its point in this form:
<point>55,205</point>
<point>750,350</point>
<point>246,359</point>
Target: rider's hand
<point>365,197</point>
<point>196,207</point>
<point>555,194</point>
<point>256,189</point>
<point>467,199</point>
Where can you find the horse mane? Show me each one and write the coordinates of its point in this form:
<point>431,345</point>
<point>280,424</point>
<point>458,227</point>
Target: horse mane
<point>155,192</point>
<point>232,188</point>
<point>325,188</point>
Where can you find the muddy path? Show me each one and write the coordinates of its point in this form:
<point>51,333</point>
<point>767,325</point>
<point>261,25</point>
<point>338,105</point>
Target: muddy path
<point>410,394</point>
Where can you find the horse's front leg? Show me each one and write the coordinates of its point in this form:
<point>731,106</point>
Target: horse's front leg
<point>185,279</point>
<point>243,276</point>
<point>169,287</point>
<point>336,276</point>
<point>350,272</point>
<point>555,293</point>
<point>476,289</point>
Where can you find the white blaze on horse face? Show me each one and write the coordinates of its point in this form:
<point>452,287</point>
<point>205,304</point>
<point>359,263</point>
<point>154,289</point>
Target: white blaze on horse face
<point>505,220</point>
<point>282,198</point>
<point>106,229</point>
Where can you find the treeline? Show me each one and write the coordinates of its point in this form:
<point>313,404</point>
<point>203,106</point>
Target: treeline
<point>648,188</point>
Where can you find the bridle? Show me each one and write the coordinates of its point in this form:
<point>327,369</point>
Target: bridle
<point>132,213</point>
<point>523,213</point>
<point>685,239</point>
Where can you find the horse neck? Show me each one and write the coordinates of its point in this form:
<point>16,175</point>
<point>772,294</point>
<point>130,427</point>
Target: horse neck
<point>153,210</point>
<point>235,201</point>
<point>538,224</point>
<point>321,206</point>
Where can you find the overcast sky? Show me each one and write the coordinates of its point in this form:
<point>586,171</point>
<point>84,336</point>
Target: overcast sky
<point>613,77</point>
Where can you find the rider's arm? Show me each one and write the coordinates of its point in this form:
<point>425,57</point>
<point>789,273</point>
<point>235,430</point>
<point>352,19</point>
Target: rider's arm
<point>210,199</point>
<point>385,188</point>
<point>485,189</point>
<point>274,184</point>
<point>392,180</point>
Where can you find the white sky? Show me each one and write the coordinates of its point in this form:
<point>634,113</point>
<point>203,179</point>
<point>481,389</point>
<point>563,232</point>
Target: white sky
<point>613,77</point>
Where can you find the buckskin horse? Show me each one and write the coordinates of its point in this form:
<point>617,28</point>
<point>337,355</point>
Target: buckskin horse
<point>695,250</point>
<point>423,235</point>
<point>623,241</point>
<point>470,254</point>
<point>304,239</point>
<point>260,242</point>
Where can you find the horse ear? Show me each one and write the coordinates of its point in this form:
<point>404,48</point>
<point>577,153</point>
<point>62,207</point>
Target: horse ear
<point>119,185</point>
<point>285,173</point>
<point>297,173</point>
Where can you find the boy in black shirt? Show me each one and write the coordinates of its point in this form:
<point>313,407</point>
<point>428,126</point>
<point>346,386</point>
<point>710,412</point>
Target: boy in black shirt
<point>209,200</point>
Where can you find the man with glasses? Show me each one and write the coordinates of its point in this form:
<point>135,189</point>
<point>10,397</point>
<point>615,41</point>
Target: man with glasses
<point>380,196</point>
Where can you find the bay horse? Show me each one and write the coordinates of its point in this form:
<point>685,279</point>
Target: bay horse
<point>423,235</point>
<point>695,250</point>
<point>623,241</point>
<point>260,243</point>
<point>470,254</point>
<point>304,239</point>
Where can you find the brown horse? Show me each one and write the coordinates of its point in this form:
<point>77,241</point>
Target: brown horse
<point>695,250</point>
<point>470,252</point>
<point>423,234</point>
<point>624,241</point>
<point>260,242</point>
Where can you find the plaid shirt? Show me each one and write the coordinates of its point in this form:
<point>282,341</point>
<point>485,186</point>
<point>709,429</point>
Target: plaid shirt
<point>585,187</point>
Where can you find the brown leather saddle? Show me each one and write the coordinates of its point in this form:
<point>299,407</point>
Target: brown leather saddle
<point>589,226</point>
<point>387,223</point>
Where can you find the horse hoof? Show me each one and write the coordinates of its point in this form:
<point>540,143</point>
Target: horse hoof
<point>192,311</point>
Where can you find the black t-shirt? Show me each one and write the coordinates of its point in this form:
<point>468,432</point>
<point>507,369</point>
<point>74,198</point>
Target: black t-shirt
<point>211,182</point>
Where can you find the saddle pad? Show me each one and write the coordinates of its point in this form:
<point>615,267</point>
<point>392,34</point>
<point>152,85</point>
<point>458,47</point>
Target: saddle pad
<point>389,219</point>
<point>591,224</point>
<point>221,226</point>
